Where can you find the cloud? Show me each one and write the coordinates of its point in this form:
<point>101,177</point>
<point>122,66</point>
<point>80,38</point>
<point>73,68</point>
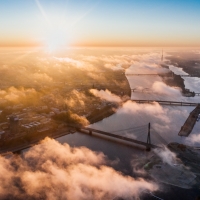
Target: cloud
<point>165,121</point>
<point>79,119</point>
<point>78,63</point>
<point>71,61</point>
<point>166,155</point>
<point>193,139</point>
<point>90,58</point>
<point>13,94</point>
<point>114,67</point>
<point>196,51</point>
<point>106,95</point>
<point>193,84</point>
<point>50,170</point>
<point>76,99</point>
<point>153,109</point>
<point>42,77</point>
<point>113,62</point>
<point>147,63</point>
<point>146,68</point>
<point>162,88</point>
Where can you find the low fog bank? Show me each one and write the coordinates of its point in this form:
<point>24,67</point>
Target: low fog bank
<point>166,156</point>
<point>109,96</point>
<point>19,95</point>
<point>106,95</point>
<point>149,63</point>
<point>177,70</point>
<point>166,121</point>
<point>51,170</point>
<point>153,88</point>
<point>191,83</point>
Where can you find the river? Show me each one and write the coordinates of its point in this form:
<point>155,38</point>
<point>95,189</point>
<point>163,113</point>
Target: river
<point>166,122</point>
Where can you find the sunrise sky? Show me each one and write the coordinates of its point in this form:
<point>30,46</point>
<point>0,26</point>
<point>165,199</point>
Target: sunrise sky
<point>100,22</point>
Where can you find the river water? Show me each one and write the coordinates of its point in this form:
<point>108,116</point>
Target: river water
<point>166,122</point>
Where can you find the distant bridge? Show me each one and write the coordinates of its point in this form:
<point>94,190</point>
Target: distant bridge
<point>144,74</point>
<point>137,89</point>
<point>161,74</point>
<point>171,103</point>
<point>188,75</point>
<point>148,90</point>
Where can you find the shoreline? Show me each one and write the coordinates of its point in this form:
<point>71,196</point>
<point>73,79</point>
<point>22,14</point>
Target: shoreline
<point>109,110</point>
<point>104,113</point>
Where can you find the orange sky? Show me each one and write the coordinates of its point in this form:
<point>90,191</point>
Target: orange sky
<point>100,23</point>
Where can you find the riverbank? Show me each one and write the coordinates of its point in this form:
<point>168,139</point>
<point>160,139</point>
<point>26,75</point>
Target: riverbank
<point>189,62</point>
<point>99,114</point>
<point>21,143</point>
<point>186,64</point>
<point>26,141</point>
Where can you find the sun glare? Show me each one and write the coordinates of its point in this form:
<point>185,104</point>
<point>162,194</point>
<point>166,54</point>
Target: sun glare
<point>56,40</point>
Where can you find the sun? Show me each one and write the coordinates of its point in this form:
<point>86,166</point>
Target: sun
<point>56,40</point>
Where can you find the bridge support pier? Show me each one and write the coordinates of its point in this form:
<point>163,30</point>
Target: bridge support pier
<point>148,147</point>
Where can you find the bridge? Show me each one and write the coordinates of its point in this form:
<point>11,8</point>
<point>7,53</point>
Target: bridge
<point>161,74</point>
<point>137,89</point>
<point>170,103</point>
<point>147,144</point>
<point>143,131</point>
<point>144,74</point>
<point>149,90</point>
<point>188,75</point>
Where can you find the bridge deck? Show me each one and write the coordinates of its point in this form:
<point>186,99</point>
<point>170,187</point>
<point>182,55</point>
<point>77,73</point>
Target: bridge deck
<point>188,75</point>
<point>119,137</point>
<point>171,103</point>
<point>143,74</point>
<point>26,146</point>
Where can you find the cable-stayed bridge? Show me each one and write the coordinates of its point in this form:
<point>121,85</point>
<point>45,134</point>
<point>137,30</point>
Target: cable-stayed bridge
<point>140,135</point>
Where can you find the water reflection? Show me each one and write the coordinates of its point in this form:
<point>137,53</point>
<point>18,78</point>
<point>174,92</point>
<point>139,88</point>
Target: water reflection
<point>121,154</point>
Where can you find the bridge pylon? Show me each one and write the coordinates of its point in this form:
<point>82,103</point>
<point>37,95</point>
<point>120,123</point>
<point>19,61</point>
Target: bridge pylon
<point>148,147</point>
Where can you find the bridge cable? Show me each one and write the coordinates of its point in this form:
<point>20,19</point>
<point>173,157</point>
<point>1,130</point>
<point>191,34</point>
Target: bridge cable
<point>141,133</point>
<point>131,128</point>
<point>159,137</point>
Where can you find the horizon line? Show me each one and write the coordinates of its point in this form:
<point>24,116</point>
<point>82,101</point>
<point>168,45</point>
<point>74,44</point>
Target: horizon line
<point>103,46</point>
